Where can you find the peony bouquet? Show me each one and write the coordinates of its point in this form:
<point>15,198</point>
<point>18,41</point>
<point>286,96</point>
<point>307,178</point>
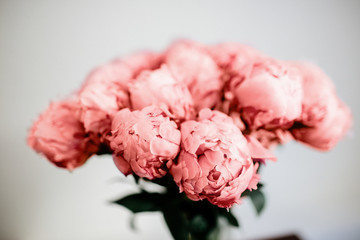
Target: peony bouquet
<point>197,120</point>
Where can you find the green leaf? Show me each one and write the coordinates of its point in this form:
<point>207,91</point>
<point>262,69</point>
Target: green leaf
<point>142,202</point>
<point>176,220</point>
<point>136,178</point>
<point>258,199</point>
<point>229,217</point>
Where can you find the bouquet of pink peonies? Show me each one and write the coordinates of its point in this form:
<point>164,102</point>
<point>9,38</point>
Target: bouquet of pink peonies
<point>197,120</point>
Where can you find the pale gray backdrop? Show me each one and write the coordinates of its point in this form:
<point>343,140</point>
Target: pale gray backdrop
<point>48,47</point>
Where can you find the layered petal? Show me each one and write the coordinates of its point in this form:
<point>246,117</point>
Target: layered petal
<point>144,141</point>
<point>325,119</point>
<point>191,64</point>
<point>271,95</point>
<point>160,88</point>
<point>215,162</point>
<point>105,90</point>
<point>61,137</point>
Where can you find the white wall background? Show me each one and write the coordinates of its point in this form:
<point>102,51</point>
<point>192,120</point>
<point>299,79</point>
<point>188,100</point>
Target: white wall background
<point>48,47</point>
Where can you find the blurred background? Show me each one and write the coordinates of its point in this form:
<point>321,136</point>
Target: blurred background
<point>48,47</point>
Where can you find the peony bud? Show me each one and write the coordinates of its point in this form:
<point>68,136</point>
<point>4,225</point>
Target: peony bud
<point>324,119</point>
<point>190,63</point>
<point>60,136</point>
<point>159,88</point>
<point>143,141</point>
<point>105,90</point>
<point>270,96</point>
<point>215,162</point>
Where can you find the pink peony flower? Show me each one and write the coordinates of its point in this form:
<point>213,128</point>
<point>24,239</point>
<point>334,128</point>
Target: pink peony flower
<point>105,90</point>
<point>324,119</point>
<point>214,162</point>
<point>235,61</point>
<point>102,95</point>
<point>159,88</point>
<point>190,63</point>
<point>143,141</point>
<point>270,96</point>
<point>60,136</point>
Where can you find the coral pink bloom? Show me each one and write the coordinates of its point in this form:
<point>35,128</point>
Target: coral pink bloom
<point>143,141</point>
<point>270,96</point>
<point>190,63</point>
<point>324,119</point>
<point>105,90</point>
<point>60,136</point>
<point>158,87</point>
<point>235,61</point>
<point>215,162</point>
